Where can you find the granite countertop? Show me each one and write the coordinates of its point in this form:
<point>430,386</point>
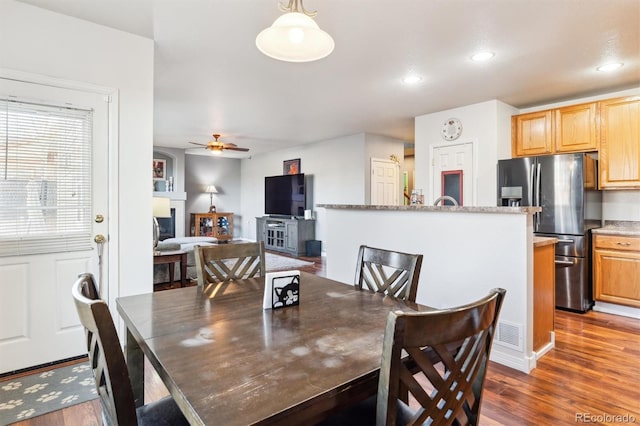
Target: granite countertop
<point>619,227</point>
<point>428,208</point>
<point>543,241</point>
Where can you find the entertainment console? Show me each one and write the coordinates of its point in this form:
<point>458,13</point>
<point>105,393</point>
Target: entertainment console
<point>285,234</point>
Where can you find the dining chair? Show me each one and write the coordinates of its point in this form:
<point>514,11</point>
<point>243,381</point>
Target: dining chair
<point>447,394</point>
<point>227,262</point>
<point>391,272</point>
<point>109,368</point>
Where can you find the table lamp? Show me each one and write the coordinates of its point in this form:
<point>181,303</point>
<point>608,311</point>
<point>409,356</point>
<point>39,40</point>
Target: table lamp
<point>211,189</point>
<point>161,208</point>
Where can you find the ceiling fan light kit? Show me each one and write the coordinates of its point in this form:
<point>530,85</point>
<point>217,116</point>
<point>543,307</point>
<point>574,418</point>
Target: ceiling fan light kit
<point>216,147</point>
<point>295,36</point>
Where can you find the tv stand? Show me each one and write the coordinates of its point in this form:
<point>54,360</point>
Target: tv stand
<point>284,234</point>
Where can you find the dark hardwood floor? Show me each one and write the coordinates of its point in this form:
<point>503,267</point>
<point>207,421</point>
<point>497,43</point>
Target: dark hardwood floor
<point>591,376</point>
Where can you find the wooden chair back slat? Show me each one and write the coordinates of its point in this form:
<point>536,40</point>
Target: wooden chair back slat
<point>417,341</point>
<point>389,272</point>
<point>105,354</point>
<point>228,262</point>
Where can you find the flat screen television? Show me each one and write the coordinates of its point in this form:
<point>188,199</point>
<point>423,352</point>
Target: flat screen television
<point>285,195</point>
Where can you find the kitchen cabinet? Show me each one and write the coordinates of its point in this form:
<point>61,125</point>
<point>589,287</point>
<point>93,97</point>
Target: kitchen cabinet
<point>620,143</point>
<point>218,225</point>
<point>572,128</point>
<point>532,134</point>
<point>285,235</point>
<point>616,269</point>
<point>576,128</point>
<point>544,291</point>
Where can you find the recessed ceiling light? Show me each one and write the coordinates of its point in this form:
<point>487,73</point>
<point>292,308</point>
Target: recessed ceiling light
<point>610,66</point>
<point>411,79</point>
<point>482,56</point>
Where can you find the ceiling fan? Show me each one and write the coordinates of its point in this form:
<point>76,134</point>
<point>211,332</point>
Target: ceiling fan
<point>217,146</point>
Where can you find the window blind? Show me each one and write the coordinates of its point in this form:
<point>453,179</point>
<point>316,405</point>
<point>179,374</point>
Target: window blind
<point>45,178</point>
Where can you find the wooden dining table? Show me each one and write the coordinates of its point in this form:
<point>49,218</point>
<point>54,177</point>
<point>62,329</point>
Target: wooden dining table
<point>227,361</point>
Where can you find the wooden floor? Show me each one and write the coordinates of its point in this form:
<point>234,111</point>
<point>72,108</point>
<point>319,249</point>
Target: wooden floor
<point>592,376</point>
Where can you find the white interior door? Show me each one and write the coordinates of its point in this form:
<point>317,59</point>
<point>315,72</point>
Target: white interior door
<point>451,158</point>
<point>38,319</point>
<point>385,182</point>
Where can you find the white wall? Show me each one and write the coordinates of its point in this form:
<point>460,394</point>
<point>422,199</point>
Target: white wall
<point>466,254</point>
<point>337,169</point>
<point>37,41</point>
<point>224,173</point>
<point>487,124</point>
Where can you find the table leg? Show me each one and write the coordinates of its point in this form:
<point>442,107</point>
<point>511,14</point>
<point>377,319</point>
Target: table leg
<point>135,364</point>
<point>183,270</point>
<point>172,272</point>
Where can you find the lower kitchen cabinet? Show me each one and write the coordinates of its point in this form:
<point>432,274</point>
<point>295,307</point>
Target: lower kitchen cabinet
<point>616,269</point>
<point>544,291</point>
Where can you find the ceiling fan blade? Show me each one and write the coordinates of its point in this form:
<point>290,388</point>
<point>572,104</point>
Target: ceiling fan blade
<point>229,145</point>
<point>237,149</point>
<point>200,144</point>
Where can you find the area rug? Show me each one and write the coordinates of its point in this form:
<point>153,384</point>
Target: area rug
<point>275,262</point>
<point>43,392</point>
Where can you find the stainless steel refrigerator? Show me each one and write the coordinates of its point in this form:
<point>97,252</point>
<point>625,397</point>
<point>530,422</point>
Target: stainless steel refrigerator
<point>565,187</point>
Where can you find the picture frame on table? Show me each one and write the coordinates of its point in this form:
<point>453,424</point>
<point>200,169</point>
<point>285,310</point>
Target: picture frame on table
<point>159,169</point>
<point>291,167</point>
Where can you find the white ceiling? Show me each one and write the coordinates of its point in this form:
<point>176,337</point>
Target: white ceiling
<point>211,78</point>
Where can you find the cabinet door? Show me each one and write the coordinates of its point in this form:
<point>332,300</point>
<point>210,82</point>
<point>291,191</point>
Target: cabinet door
<point>532,134</point>
<point>223,226</point>
<point>292,237</point>
<point>620,143</point>
<point>576,128</point>
<point>617,277</point>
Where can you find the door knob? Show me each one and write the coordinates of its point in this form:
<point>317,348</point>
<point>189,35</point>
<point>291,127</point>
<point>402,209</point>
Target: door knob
<point>99,239</point>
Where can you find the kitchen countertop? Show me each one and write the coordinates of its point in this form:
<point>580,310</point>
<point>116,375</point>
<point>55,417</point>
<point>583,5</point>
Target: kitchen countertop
<point>543,241</point>
<point>429,208</point>
<point>619,227</point>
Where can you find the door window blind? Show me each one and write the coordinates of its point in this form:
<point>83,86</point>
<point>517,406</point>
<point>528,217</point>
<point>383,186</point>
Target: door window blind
<point>45,178</point>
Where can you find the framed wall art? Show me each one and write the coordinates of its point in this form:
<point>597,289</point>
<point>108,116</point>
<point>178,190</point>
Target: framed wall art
<point>159,169</point>
<point>291,167</point>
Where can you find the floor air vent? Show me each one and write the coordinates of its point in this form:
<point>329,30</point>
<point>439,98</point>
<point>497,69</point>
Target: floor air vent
<point>509,335</point>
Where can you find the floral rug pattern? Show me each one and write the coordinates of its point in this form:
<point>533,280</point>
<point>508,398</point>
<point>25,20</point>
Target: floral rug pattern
<point>41,393</point>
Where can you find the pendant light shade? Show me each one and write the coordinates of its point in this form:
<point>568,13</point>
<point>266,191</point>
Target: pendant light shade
<point>295,37</point>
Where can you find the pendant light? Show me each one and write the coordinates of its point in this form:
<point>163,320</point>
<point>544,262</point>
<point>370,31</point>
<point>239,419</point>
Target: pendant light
<point>295,36</point>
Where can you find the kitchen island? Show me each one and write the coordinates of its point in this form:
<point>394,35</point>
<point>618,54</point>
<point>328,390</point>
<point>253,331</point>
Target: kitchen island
<point>467,252</point>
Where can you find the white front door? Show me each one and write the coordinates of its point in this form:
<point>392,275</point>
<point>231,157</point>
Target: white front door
<point>38,319</point>
<point>451,158</point>
<point>385,182</point>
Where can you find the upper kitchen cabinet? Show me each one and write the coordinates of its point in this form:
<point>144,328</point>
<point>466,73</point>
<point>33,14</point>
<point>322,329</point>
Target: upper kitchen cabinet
<point>569,129</point>
<point>531,134</point>
<point>620,143</point>
<point>576,128</point>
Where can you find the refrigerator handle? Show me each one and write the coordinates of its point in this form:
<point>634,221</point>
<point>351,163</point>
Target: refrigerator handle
<point>537,191</point>
<point>532,187</point>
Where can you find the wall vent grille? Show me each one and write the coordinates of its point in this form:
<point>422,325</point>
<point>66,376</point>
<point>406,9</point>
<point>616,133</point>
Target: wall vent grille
<point>510,335</point>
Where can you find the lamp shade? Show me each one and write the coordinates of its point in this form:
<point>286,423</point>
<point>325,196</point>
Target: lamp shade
<point>295,37</point>
<point>211,189</point>
<point>161,207</point>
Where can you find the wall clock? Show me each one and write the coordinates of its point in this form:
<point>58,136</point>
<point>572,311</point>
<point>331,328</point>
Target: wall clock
<point>451,129</point>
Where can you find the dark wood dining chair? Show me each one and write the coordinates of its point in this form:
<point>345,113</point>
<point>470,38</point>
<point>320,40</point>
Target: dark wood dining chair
<point>228,262</point>
<point>109,368</point>
<point>390,272</point>
<point>448,394</point>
